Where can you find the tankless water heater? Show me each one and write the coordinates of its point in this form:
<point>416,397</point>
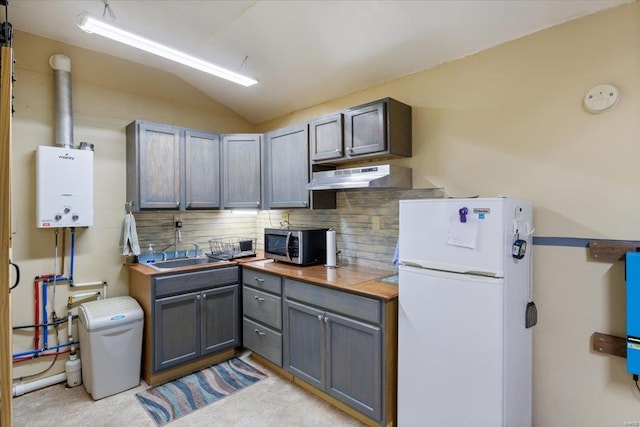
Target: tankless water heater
<point>64,187</point>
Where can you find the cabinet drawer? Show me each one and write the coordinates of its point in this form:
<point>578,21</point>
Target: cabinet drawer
<point>265,281</point>
<point>262,340</point>
<point>187,282</point>
<point>262,306</point>
<point>355,306</point>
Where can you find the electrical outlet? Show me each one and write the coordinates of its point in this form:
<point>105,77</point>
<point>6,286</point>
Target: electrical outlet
<point>284,219</point>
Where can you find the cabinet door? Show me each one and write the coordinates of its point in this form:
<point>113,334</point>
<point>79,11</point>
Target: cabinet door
<point>325,138</point>
<point>304,343</point>
<point>202,170</point>
<point>159,166</point>
<point>220,319</point>
<point>354,364</point>
<point>176,330</point>
<point>241,171</point>
<point>365,129</point>
<point>287,168</point>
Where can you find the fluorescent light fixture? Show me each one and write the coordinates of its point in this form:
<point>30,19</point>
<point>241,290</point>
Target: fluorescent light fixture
<point>94,25</point>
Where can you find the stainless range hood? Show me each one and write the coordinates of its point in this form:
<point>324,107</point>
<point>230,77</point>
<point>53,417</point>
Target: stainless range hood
<point>380,176</point>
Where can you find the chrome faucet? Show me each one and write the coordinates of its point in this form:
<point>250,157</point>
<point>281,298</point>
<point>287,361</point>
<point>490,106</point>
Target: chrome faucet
<point>196,248</point>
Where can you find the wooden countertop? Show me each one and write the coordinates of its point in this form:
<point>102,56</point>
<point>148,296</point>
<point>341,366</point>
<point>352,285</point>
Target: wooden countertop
<point>351,278</point>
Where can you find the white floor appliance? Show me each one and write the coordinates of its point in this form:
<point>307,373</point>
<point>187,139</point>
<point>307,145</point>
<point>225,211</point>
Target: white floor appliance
<point>464,353</point>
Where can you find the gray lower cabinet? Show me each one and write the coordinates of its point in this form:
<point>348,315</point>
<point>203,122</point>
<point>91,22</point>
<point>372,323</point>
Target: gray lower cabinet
<point>194,314</point>
<point>333,340</point>
<point>262,310</point>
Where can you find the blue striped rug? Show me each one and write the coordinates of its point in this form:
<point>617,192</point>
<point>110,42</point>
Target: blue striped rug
<point>170,401</point>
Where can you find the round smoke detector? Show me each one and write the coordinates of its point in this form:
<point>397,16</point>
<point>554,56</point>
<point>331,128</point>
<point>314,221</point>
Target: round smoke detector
<point>601,98</point>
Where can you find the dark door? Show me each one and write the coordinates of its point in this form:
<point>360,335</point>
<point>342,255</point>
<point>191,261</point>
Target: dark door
<point>220,319</point>
<point>176,330</point>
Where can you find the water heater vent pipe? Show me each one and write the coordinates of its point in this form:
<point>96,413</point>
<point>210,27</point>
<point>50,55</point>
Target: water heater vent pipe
<point>61,66</point>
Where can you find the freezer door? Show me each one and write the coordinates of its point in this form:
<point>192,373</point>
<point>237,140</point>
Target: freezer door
<point>450,350</point>
<point>434,234</point>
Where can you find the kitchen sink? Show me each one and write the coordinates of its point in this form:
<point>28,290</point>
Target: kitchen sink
<point>182,262</point>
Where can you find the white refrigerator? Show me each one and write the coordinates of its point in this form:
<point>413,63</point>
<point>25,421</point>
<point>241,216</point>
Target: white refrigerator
<point>464,352</point>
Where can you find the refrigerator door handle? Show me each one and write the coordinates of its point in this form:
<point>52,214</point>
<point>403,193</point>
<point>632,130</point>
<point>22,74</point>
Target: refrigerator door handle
<point>450,268</point>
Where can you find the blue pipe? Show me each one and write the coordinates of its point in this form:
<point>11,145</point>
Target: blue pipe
<point>34,352</point>
<point>45,315</point>
<point>56,279</point>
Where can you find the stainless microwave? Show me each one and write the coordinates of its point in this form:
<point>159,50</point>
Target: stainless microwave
<point>302,246</point>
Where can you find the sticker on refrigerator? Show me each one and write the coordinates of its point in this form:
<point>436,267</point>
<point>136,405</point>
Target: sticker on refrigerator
<point>463,234</point>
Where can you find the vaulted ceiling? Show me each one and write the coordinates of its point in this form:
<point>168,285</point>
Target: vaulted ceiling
<point>302,52</point>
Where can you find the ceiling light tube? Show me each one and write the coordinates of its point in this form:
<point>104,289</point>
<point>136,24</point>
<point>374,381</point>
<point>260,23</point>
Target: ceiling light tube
<point>93,25</point>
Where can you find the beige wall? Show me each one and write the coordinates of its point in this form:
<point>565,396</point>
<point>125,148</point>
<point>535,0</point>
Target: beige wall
<point>108,94</point>
<point>507,120</point>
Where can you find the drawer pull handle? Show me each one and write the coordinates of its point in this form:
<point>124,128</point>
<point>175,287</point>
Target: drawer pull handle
<point>258,298</point>
<point>259,280</point>
<point>260,333</point>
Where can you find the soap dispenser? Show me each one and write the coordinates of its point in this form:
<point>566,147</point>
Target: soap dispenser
<point>150,254</point>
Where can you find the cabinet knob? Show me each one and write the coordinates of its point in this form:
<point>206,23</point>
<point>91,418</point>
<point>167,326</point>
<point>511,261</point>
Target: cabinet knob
<point>320,317</point>
<point>259,280</point>
<point>258,298</point>
<point>178,203</point>
<point>259,333</point>
<point>258,203</point>
<point>188,204</point>
<point>326,319</point>
<point>198,297</point>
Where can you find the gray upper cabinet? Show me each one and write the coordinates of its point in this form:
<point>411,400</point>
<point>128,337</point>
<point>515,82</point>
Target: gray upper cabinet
<point>202,170</point>
<point>377,130</point>
<point>365,129</point>
<point>241,171</point>
<point>169,167</point>
<point>326,138</point>
<point>154,168</point>
<point>286,168</point>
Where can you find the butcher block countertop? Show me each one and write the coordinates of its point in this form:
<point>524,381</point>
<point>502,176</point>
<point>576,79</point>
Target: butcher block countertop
<point>356,279</point>
<point>352,278</point>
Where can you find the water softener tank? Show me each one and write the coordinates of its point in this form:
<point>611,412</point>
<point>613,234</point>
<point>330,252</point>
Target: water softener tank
<point>111,342</point>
